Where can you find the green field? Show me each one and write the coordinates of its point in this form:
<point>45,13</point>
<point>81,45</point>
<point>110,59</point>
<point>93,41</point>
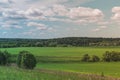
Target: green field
<point>13,73</point>
<point>109,69</point>
<point>63,51</point>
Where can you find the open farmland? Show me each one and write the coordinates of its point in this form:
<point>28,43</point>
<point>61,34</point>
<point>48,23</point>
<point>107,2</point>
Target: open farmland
<point>13,73</point>
<point>109,69</point>
<point>63,51</point>
<point>63,54</point>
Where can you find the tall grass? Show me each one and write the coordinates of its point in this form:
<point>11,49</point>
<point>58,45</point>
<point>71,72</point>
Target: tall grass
<point>13,73</point>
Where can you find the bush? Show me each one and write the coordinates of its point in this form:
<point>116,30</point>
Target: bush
<point>111,56</point>
<point>86,58</point>
<point>4,58</point>
<point>8,57</point>
<point>95,58</point>
<point>26,60</point>
<point>107,56</point>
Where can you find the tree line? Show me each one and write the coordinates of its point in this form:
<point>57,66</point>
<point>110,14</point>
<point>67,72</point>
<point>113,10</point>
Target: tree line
<point>107,57</point>
<point>59,42</point>
<point>25,59</point>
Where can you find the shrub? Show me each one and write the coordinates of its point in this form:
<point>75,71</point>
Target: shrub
<point>95,58</point>
<point>107,56</point>
<point>26,60</point>
<point>7,56</point>
<point>4,57</point>
<point>86,58</point>
<point>111,56</point>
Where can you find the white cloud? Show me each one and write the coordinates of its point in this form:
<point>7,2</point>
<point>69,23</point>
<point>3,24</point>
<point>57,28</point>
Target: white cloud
<point>53,12</point>
<point>38,13</point>
<point>86,14</point>
<point>13,13</point>
<point>18,27</point>
<point>60,10</point>
<point>95,30</point>
<point>116,14</point>
<point>38,25</point>
<point>8,27</point>
<point>99,28</point>
<point>5,1</point>
<point>57,12</point>
<point>62,13</point>
<point>41,3</point>
<point>103,27</point>
<point>31,33</point>
<point>11,22</point>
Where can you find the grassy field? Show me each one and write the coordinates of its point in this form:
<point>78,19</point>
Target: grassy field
<point>109,69</point>
<point>62,53</point>
<point>13,73</point>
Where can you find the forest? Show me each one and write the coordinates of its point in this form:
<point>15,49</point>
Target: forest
<point>59,42</point>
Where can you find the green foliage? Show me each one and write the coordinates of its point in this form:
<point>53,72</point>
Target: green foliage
<point>111,56</point>
<point>95,58</point>
<point>26,60</point>
<point>8,57</point>
<point>59,42</point>
<point>86,58</point>
<point>4,58</point>
<point>19,58</point>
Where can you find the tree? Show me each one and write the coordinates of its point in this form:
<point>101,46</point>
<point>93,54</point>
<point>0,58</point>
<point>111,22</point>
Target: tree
<point>2,58</point>
<point>7,56</point>
<point>26,60</point>
<point>86,58</point>
<point>111,56</point>
<point>95,58</point>
<point>107,56</point>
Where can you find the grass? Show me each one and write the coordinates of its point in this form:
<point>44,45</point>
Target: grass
<point>13,73</point>
<point>109,69</point>
<point>63,51</point>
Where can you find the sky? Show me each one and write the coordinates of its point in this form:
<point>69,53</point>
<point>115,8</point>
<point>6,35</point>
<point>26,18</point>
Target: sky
<point>43,19</point>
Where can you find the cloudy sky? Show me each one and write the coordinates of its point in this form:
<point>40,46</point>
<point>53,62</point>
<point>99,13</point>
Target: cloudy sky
<point>59,18</point>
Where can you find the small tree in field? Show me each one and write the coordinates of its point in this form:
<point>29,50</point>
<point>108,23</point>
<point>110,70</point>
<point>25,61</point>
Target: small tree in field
<point>86,58</point>
<point>7,56</point>
<point>4,58</point>
<point>26,60</point>
<point>95,58</point>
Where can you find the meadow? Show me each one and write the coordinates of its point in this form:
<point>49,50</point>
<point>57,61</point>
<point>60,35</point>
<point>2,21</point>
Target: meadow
<point>59,54</point>
<point>63,51</point>
<point>13,73</point>
<point>109,69</point>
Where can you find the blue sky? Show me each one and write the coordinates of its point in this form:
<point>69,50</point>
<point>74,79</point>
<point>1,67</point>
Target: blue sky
<point>59,18</point>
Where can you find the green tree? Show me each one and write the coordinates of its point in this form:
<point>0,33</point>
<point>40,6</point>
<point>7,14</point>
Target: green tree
<point>95,58</point>
<point>86,58</point>
<point>7,56</point>
<point>2,58</point>
<point>107,56</point>
<point>26,60</point>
